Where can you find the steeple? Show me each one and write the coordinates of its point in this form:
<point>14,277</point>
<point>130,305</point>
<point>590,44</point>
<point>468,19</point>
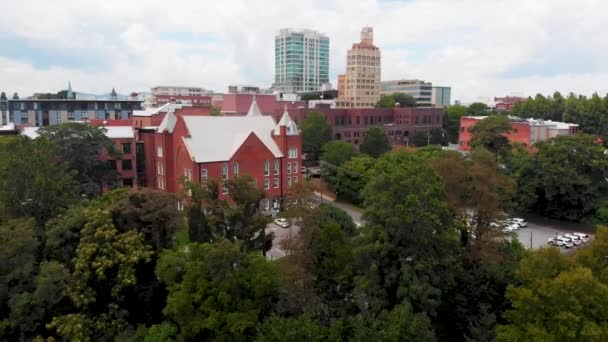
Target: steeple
<point>290,127</point>
<point>254,110</point>
<point>113,94</point>
<point>70,93</point>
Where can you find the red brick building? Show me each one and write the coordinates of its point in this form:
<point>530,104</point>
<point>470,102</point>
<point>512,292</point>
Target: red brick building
<point>399,124</point>
<point>524,131</point>
<point>239,104</point>
<point>195,100</point>
<point>199,147</point>
<point>506,103</point>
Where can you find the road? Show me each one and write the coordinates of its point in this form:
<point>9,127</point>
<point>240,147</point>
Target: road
<point>355,213</point>
<point>280,234</point>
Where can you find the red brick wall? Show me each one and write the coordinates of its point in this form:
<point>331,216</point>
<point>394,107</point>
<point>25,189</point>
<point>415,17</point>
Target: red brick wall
<point>520,133</point>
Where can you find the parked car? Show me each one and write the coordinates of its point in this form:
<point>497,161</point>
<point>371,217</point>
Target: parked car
<point>281,222</point>
<point>583,237</point>
<point>520,221</point>
<point>575,239</point>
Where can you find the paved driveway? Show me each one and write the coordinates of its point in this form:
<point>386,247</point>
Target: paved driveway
<point>280,234</point>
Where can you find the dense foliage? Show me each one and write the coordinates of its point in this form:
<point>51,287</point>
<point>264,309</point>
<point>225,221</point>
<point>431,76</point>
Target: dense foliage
<point>425,265</point>
<point>316,132</point>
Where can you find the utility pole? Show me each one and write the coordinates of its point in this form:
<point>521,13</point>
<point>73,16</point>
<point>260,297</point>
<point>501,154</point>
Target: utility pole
<point>530,239</point>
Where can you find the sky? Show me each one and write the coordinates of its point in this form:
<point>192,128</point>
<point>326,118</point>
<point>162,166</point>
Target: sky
<point>481,48</point>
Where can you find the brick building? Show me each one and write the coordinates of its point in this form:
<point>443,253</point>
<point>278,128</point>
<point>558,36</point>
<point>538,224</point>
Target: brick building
<point>199,147</point>
<point>524,131</point>
<point>351,124</point>
<point>239,104</point>
<point>503,104</point>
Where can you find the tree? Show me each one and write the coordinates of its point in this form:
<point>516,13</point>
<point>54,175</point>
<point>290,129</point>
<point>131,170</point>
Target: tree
<point>451,121</point>
<point>565,179</point>
<point>386,101</point>
<point>489,134</point>
<point>404,100</point>
<point>556,299</point>
<point>104,268</point>
<point>216,291</point>
<point>3,96</point>
<point>354,177</point>
<point>376,143</point>
<point>335,154</point>
<point>215,111</point>
<point>42,188</point>
<point>276,329</point>
<point>420,139</point>
<point>80,145</point>
<point>409,229</point>
<point>477,108</point>
<point>316,132</point>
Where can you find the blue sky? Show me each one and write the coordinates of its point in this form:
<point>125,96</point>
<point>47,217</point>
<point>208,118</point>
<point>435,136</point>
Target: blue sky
<point>481,48</point>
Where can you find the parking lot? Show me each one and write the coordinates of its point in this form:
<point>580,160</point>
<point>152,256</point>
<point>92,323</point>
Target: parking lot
<point>537,233</point>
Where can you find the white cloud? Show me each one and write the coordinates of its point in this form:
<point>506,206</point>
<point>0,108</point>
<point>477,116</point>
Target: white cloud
<point>479,47</point>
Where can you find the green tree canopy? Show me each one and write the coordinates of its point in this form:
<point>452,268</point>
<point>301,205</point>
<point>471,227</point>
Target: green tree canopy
<point>489,134</point>
<point>335,154</point>
<point>216,291</point>
<point>477,108</point>
<point>451,121</point>
<point>33,182</point>
<point>316,132</point>
<point>565,179</point>
<point>376,143</point>
<point>80,146</point>
<point>404,100</point>
<point>386,101</point>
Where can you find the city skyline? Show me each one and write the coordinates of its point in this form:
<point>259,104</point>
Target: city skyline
<point>480,49</point>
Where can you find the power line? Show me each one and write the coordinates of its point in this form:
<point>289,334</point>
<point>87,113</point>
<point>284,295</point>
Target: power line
<point>343,169</point>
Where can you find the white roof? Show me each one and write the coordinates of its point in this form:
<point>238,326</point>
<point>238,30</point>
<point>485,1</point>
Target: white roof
<point>167,107</point>
<point>8,127</point>
<point>30,132</point>
<point>217,138</point>
<point>291,127</point>
<point>116,132</point>
<point>168,123</point>
<point>254,110</point>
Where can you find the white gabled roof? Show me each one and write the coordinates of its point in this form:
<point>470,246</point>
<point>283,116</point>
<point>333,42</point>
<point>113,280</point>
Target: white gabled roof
<point>166,108</point>
<point>254,110</point>
<point>290,126</point>
<point>168,123</point>
<point>217,138</point>
<point>116,132</point>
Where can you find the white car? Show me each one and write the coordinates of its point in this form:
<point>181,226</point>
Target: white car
<point>281,222</point>
<point>575,239</point>
<point>520,221</point>
<point>583,237</point>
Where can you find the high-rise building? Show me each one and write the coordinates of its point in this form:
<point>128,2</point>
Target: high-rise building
<point>422,91</point>
<point>441,96</point>
<point>362,80</point>
<point>301,61</point>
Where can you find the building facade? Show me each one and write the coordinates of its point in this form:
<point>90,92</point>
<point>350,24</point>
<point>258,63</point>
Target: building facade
<point>524,131</point>
<point>441,96</point>
<point>422,91</point>
<point>44,112</point>
<point>193,147</point>
<point>362,78</point>
<point>502,104</point>
<point>301,61</point>
<point>351,124</point>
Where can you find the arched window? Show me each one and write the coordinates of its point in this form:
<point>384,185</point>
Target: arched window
<point>235,169</point>
<point>225,171</point>
<point>266,168</point>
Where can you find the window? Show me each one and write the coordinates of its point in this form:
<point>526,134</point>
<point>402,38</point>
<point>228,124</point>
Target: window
<point>159,151</point>
<point>235,169</point>
<point>126,148</point>
<point>276,183</point>
<point>127,164</point>
<point>276,167</point>
<point>515,131</point>
<point>71,116</point>
<point>289,182</point>
<point>295,180</point>
<point>295,167</point>
<point>266,168</point>
<point>117,106</point>
<point>203,175</point>
<point>22,106</point>
<point>293,152</point>
<point>188,174</point>
<point>224,188</point>
<point>225,171</point>
<point>127,182</point>
<point>112,164</point>
<point>266,184</point>
<point>288,168</point>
